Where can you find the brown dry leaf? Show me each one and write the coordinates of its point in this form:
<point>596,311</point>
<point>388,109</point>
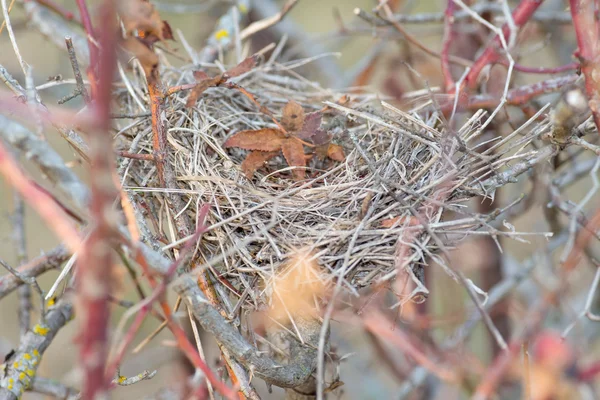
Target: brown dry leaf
<point>147,58</point>
<point>202,85</point>
<point>399,221</point>
<point>140,15</point>
<point>255,160</point>
<point>312,123</point>
<point>267,139</point>
<point>205,81</point>
<point>272,141</point>
<point>167,32</point>
<point>336,152</point>
<point>295,288</point>
<point>292,116</point>
<point>293,151</point>
<point>243,67</point>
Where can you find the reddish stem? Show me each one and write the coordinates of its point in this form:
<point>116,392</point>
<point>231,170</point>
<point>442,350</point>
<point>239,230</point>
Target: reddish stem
<point>39,200</point>
<point>91,39</point>
<point>158,293</point>
<point>447,40</point>
<point>581,242</point>
<point>58,9</point>
<point>518,96</point>
<point>543,70</point>
<point>379,326</point>
<point>587,30</point>
<point>589,373</point>
<point>96,259</point>
<point>521,14</point>
<point>192,354</point>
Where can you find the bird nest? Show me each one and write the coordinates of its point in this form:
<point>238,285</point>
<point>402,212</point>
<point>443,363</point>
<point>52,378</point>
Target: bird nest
<point>378,212</point>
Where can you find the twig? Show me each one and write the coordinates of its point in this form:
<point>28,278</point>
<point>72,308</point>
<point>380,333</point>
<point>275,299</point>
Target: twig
<point>10,6</point>
<point>410,38</point>
<point>587,30</point>
<point>128,381</point>
<point>518,96</point>
<point>55,29</point>
<point>18,222</point>
<point>13,40</point>
<point>446,42</point>
<point>521,14</point>
<point>52,388</point>
<point>48,160</point>
<point>23,364</point>
<point>302,360</point>
<point>587,309</point>
<point>581,241</point>
<point>32,269</point>
<point>39,200</point>
<point>86,21</point>
<point>480,8</point>
<point>75,65</point>
<point>380,326</point>
<point>31,281</point>
<point>59,9</point>
<point>12,84</point>
<point>266,23</point>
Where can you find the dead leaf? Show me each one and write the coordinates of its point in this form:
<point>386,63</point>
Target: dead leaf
<point>140,17</point>
<point>200,88</point>
<point>267,139</point>
<point>255,160</point>
<point>143,27</point>
<point>167,32</point>
<point>293,151</point>
<point>205,81</point>
<point>292,117</point>
<point>300,125</point>
<point>147,58</point>
<point>243,67</point>
<point>312,123</point>
<point>336,152</point>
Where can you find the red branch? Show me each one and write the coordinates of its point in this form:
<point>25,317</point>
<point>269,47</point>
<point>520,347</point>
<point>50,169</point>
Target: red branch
<point>59,9</point>
<point>39,200</point>
<point>520,15</point>
<point>587,30</point>
<point>86,20</point>
<point>543,70</point>
<point>96,259</point>
<point>379,326</point>
<point>447,40</point>
<point>518,96</point>
<point>585,235</point>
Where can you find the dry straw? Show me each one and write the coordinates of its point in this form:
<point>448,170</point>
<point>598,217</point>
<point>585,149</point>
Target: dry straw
<point>401,172</point>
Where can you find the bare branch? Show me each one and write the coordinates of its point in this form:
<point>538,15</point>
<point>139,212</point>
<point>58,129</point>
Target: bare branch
<point>22,366</point>
<point>302,358</point>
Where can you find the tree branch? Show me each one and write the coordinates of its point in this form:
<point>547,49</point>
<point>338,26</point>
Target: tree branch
<point>22,366</point>
<point>303,358</point>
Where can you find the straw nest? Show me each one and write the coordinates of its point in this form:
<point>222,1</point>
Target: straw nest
<point>397,164</point>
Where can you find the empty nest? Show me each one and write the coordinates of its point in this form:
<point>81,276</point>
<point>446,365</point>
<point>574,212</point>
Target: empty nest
<point>361,219</point>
